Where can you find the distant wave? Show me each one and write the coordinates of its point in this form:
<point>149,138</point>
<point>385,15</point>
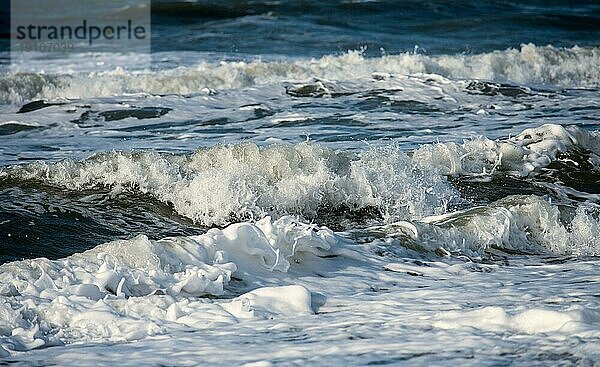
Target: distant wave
<point>530,65</point>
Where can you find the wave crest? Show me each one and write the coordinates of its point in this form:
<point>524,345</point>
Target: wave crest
<point>225,184</point>
<point>222,184</point>
<point>529,65</point>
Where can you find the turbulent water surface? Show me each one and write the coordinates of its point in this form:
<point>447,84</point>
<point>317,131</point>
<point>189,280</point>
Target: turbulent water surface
<point>328,182</point>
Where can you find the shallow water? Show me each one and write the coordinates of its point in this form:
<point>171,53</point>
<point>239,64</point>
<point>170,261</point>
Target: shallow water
<point>256,196</point>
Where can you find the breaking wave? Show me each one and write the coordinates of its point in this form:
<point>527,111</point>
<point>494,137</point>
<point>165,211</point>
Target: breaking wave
<point>530,65</point>
<point>225,184</point>
<point>519,224</point>
<point>218,185</point>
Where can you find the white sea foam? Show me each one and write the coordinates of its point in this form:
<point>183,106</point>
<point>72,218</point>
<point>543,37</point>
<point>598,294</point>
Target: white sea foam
<point>128,289</point>
<point>522,155</point>
<point>529,65</point>
<point>60,302</point>
<point>529,321</point>
<point>224,183</point>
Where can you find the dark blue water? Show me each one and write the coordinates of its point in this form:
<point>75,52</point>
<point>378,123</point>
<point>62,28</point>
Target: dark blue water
<point>316,28</point>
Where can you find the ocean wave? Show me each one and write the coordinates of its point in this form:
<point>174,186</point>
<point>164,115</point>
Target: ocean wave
<point>520,224</point>
<point>225,184</point>
<point>522,155</point>
<point>530,65</point>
